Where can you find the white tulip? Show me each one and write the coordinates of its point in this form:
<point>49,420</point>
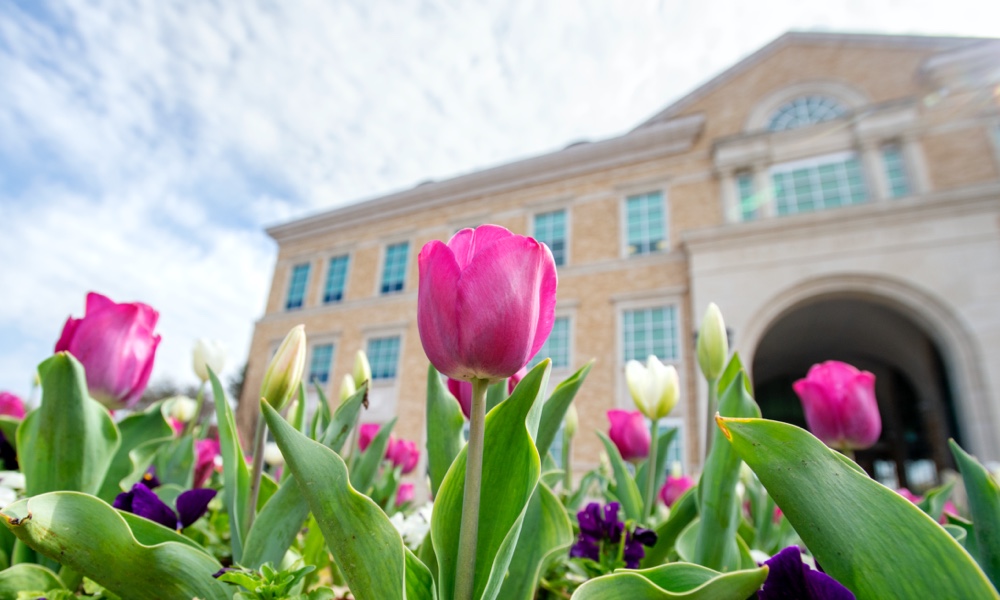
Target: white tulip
<point>208,353</point>
<point>182,408</point>
<point>654,387</point>
<point>272,455</point>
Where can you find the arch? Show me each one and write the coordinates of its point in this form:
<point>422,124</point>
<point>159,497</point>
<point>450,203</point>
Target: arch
<point>849,97</point>
<point>974,409</point>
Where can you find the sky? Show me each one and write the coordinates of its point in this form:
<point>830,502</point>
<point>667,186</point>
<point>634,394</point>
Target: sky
<point>146,144</point>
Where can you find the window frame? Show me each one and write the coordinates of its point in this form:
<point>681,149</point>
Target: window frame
<point>293,268</point>
<point>383,263</point>
<point>570,339</point>
<point>831,106</point>
<point>326,285</point>
<point>814,163</point>
<point>399,354</point>
<point>677,359</point>
<point>311,356</point>
<point>566,231</point>
<point>664,244</point>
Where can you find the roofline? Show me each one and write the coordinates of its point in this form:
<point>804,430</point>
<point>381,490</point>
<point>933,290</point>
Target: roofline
<point>673,136</point>
<point>814,37</point>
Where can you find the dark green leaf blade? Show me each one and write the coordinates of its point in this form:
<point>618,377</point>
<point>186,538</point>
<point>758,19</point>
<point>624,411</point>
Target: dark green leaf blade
<point>554,410</point>
<point>984,506</point>
<point>444,429</point>
<point>235,474</point>
<point>673,581</point>
<point>551,534</point>
<point>625,487</point>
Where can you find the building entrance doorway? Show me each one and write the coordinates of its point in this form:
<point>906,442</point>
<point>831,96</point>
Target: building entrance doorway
<point>911,382</point>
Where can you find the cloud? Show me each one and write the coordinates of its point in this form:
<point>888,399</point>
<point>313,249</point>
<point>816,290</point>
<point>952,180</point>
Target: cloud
<point>146,144</point>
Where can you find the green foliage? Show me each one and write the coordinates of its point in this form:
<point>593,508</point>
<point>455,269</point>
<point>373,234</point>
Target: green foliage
<point>684,511</point>
<point>235,474</point>
<point>554,410</point>
<point>673,581</point>
<point>984,506</point>
<point>270,584</point>
<point>444,429</point>
<point>27,577</point>
<point>364,470</point>
<point>625,490</point>
<point>551,534</point>
<point>142,435</point>
<point>869,538</point>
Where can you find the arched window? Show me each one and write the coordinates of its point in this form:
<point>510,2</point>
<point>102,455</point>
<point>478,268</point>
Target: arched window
<point>805,110</point>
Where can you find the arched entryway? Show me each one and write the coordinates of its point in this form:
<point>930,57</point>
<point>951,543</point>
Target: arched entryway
<point>913,384</point>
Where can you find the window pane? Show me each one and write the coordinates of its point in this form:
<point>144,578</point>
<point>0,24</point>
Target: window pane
<point>829,184</point>
<point>650,331</point>
<point>394,270</point>
<point>383,355</point>
<point>803,111</point>
<point>297,286</point>
<point>895,171</point>
<point>646,223</point>
<point>319,365</point>
<point>556,346</point>
<point>336,278</point>
<point>748,201</point>
<point>550,229</point>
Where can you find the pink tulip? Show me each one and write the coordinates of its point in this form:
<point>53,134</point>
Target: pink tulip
<point>674,488</point>
<point>462,390</point>
<point>404,454</point>
<point>404,494</point>
<point>116,345</point>
<point>367,433</point>
<point>177,426</point>
<point>486,302</point>
<point>629,433</point>
<point>11,405</point>
<point>206,450</point>
<point>840,406</point>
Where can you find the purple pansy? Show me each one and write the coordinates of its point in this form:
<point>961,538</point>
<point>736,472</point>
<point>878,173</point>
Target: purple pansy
<point>788,578</point>
<point>141,500</point>
<point>599,525</point>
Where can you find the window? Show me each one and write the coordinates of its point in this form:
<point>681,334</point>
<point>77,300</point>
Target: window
<point>297,286</point>
<point>895,171</point>
<point>650,331</point>
<point>550,229</point>
<point>319,364</point>
<point>646,223</point>
<point>336,278</point>
<point>806,110</point>
<point>383,355</point>
<point>748,201</point>
<point>556,347</point>
<point>818,184</point>
<point>394,270</point>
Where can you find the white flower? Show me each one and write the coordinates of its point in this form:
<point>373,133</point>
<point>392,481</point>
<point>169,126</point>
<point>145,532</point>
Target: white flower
<point>654,387</point>
<point>272,455</point>
<point>413,528</point>
<point>182,408</point>
<point>11,483</point>
<point>208,353</point>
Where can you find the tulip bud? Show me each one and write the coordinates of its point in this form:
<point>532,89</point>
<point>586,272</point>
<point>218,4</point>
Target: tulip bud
<point>572,421</point>
<point>182,408</point>
<point>713,344</point>
<point>284,374</point>
<point>404,494</point>
<point>347,388</point>
<point>208,353</point>
<point>654,387</point>
<point>362,369</point>
<point>11,405</point>
<point>630,434</point>
<point>840,406</point>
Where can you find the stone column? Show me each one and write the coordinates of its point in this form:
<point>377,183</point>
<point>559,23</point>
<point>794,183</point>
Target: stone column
<point>762,188</point>
<point>874,169</point>
<point>730,196</point>
<point>915,165</point>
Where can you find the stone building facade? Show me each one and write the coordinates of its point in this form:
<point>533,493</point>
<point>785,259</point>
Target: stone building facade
<point>837,195</point>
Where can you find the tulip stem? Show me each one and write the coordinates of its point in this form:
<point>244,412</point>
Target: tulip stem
<point>258,468</point>
<point>713,406</point>
<point>200,401</point>
<point>651,473</point>
<point>566,460</point>
<point>469,533</point>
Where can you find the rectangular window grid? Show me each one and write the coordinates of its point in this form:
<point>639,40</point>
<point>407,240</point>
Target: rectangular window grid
<point>297,286</point>
<point>336,278</point>
<point>646,223</point>
<point>550,229</point>
<point>749,204</point>
<point>394,271</point>
<point>319,364</point>
<point>383,355</point>
<point>556,346</point>
<point>650,331</point>
<point>818,186</point>
<point>895,171</point>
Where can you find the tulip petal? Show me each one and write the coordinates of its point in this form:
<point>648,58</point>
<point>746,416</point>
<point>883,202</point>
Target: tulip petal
<point>468,242</point>
<point>437,314</point>
<point>192,504</point>
<point>148,505</point>
<point>69,329</point>
<point>462,391</point>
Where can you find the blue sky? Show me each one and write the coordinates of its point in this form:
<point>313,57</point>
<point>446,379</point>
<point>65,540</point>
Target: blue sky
<point>144,145</point>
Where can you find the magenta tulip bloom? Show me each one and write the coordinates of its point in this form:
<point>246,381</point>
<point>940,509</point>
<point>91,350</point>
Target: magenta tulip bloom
<point>674,488</point>
<point>462,390</point>
<point>629,433</point>
<point>840,406</point>
<point>11,405</point>
<point>367,433</point>
<point>404,494</point>
<point>403,454</point>
<point>486,302</point>
<point>206,451</point>
<point>116,345</point>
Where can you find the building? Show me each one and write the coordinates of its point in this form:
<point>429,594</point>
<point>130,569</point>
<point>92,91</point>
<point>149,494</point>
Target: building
<point>837,195</point>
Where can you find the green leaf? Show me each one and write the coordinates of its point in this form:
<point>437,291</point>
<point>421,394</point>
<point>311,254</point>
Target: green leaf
<point>366,469</point>
<point>148,429</point>
<point>364,543</point>
<point>661,458</point>
<point>934,500</point>
<point>554,410</point>
<point>683,512</point>
<point>718,502</point>
<point>869,538</point>
<point>551,534</point>
<point>495,394</point>
<point>984,507</point>
<point>676,580</point>
<point>626,489</point>
<point>583,490</point>
<point>27,577</point>
<point>511,468</point>
<point>69,441</point>
<point>87,535</point>
<point>281,518</point>
<point>419,582</point>
<point>8,427</point>
<point>444,429</point>
<point>151,533</point>
<point>235,474</point>
<point>321,419</point>
<point>174,462</point>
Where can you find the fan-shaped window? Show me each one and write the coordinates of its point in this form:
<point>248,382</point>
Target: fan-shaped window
<point>805,110</point>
